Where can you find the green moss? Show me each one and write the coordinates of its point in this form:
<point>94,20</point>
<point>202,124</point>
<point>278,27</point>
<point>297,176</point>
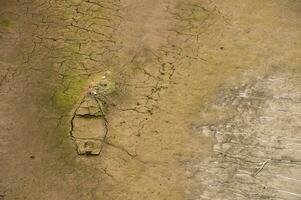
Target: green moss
<point>5,23</point>
<point>68,95</point>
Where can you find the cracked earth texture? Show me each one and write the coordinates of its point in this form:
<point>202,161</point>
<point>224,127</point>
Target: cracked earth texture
<point>207,101</point>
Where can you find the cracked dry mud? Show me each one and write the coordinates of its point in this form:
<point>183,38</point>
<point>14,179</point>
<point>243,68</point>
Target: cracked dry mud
<point>207,100</point>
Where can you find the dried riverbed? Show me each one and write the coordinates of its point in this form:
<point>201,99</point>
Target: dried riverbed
<point>206,106</point>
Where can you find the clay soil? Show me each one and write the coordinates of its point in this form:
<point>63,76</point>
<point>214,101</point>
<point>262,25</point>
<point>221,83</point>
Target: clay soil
<point>207,102</point>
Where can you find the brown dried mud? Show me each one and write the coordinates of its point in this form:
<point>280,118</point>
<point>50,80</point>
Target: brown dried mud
<point>207,101</point>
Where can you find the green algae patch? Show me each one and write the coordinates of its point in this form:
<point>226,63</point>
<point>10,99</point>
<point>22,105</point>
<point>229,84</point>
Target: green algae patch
<point>67,95</point>
<point>5,23</point>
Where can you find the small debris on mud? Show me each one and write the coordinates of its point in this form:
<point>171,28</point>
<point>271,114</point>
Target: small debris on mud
<point>105,87</point>
<point>88,147</point>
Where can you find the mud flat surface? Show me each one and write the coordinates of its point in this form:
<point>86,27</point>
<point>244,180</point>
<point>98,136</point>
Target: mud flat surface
<point>207,101</point>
